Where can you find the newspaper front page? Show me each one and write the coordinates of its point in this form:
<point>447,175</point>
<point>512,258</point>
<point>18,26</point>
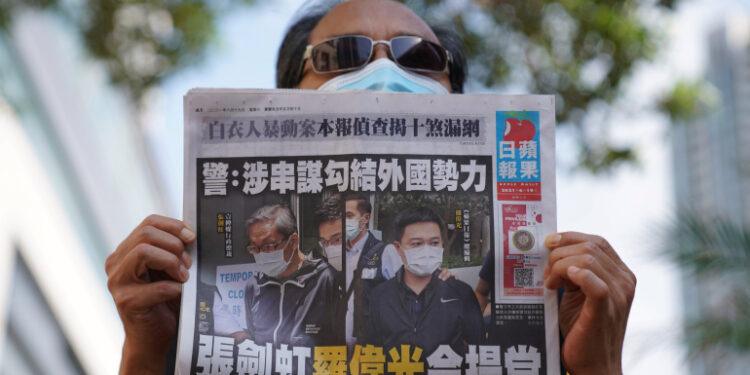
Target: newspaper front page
<point>368,233</point>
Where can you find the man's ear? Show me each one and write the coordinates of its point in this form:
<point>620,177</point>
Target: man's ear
<point>367,218</point>
<point>400,251</point>
<point>294,238</point>
<point>294,248</point>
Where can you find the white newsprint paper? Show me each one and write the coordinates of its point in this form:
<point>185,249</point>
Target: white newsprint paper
<point>347,232</point>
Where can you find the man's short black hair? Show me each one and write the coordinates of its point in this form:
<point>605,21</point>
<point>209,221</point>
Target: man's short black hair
<point>413,215</point>
<point>363,202</point>
<point>329,209</point>
<point>289,61</point>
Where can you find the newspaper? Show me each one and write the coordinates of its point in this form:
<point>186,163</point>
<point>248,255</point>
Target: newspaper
<point>368,233</point>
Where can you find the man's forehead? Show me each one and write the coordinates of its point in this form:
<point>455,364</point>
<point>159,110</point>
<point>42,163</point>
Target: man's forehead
<point>330,236</point>
<point>425,229</point>
<point>351,205</point>
<point>333,227</point>
<point>263,229</point>
<point>378,19</point>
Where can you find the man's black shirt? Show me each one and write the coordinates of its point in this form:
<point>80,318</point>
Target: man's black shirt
<point>445,312</point>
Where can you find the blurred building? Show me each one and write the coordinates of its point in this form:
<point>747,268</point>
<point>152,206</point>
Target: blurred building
<point>76,178</point>
<point>712,168</point>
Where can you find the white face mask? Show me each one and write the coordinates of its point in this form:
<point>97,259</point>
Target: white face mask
<point>335,256</point>
<point>423,260</point>
<point>352,229</point>
<point>272,263</point>
<point>384,75</point>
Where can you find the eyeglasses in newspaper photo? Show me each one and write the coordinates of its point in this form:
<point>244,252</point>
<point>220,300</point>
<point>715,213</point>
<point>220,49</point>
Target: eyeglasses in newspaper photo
<point>252,249</point>
<point>336,240</point>
<point>351,52</point>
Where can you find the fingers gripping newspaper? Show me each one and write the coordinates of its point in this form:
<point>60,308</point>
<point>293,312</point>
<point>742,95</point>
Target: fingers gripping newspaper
<point>368,233</point>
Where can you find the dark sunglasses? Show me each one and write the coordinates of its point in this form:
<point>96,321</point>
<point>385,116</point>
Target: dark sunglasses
<point>350,52</point>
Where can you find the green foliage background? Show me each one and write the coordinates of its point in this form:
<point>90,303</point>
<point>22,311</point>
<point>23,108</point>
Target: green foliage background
<point>142,42</point>
<point>582,52</point>
<point>714,253</point>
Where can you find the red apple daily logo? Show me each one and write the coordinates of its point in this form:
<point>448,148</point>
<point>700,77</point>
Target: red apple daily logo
<point>518,168</point>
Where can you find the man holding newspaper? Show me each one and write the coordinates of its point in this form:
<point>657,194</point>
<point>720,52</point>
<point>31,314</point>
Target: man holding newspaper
<point>147,269</point>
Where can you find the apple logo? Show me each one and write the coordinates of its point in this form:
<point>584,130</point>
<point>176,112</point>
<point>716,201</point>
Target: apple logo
<point>518,130</point>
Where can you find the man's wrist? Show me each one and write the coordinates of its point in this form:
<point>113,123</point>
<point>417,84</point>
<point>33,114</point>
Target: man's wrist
<point>137,359</point>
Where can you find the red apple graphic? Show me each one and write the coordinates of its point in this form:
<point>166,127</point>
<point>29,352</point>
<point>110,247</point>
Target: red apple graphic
<point>517,130</point>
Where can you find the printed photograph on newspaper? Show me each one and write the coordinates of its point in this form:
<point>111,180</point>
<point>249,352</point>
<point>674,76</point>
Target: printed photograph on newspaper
<point>368,233</point>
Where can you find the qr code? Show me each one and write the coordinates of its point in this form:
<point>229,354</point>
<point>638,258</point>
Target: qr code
<point>523,277</point>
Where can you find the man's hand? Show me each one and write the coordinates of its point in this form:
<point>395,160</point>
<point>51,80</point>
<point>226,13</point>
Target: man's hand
<point>599,290</point>
<point>446,274</point>
<point>146,273</point>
